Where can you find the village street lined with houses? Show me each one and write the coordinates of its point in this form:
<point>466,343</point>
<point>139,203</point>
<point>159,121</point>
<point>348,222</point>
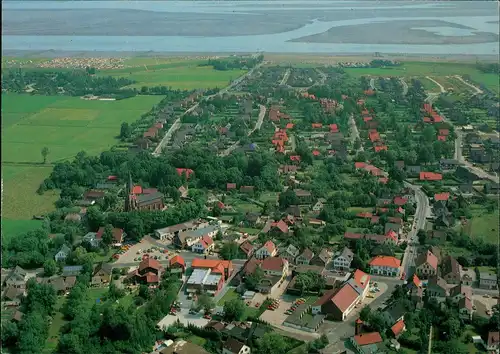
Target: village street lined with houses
<point>298,210</point>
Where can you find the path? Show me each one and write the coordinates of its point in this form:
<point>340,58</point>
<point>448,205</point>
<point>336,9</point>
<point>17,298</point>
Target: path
<point>372,83</point>
<point>177,123</point>
<point>354,132</point>
<point>441,88</point>
<point>405,86</point>
<point>478,91</point>
<point>430,341</point>
<point>285,77</point>
<point>258,124</point>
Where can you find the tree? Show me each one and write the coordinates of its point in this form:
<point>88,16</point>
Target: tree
<point>253,280</point>
<point>422,237</point>
<point>107,236</point>
<point>10,333</point>
<point>205,302</point>
<point>144,292</point>
<point>234,310</point>
<point>273,343</point>
<point>364,314</point>
<point>229,251</point>
<point>287,198</point>
<point>49,267</point>
<point>125,130</point>
<point>45,153</point>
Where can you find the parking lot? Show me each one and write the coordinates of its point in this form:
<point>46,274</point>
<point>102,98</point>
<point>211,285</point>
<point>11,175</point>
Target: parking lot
<point>184,317</point>
<point>278,316</point>
<point>135,252</point>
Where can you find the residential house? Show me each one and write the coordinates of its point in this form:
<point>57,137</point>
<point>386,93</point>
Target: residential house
<point>277,227</point>
<point>337,303</point>
<point>149,272</point>
<point>117,233</point>
<point>321,259</point>
<point>253,219</point>
<point>451,270</point>
<point>398,328</point>
<point>305,257</point>
<point>343,260</point>
<point>394,227</point>
<point>493,342</point>
<point>294,210</point>
<point>465,309</point>
<point>303,196</point>
<point>62,254</point>
<point>488,281</point>
<point>247,189</point>
<point>183,347</point>
<point>275,270</point>
<point>71,271</point>
<point>368,343</point>
<point>465,175</point>
<point>59,283</point>
<point>247,248</point>
<point>385,265</point>
<point>289,253</point>
<point>230,186</point>
<point>233,346</point>
<point>426,265</point>
<point>267,250</point>
<point>459,292</point>
<point>13,295</point>
<point>448,164</point>
<point>204,245</point>
<point>413,170</point>
<point>176,264</point>
<point>17,278</point>
<point>478,154</point>
<point>186,239</point>
<point>430,176</point>
<point>91,239</point>
<point>93,195</point>
<point>319,205</point>
<point>414,284</point>
<point>360,281</point>
<point>216,265</point>
<point>395,312</point>
<point>437,287</point>
<point>101,274</point>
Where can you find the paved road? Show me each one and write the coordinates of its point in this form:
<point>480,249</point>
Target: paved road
<point>478,91</point>
<point>422,212</point>
<point>441,88</point>
<point>354,132</point>
<point>258,124</point>
<point>372,83</point>
<point>285,77</point>
<point>177,123</point>
<point>405,86</point>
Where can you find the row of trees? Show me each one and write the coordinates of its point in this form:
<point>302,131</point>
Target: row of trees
<point>233,63</point>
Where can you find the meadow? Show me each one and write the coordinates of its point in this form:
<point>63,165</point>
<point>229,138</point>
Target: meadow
<point>66,126</point>
<point>433,69</point>
<point>182,74</point>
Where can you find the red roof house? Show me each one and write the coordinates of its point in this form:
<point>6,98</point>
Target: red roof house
<point>398,328</point>
<point>117,235</point>
<point>230,186</point>
<point>430,176</point>
<point>442,196</point>
<point>187,171</point>
<point>400,201</point>
<point>295,158</point>
<point>334,128</point>
<point>316,153</point>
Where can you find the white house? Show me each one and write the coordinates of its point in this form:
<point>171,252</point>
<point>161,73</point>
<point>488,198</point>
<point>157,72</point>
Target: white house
<point>62,254</point>
<point>92,239</point>
<point>204,245</point>
<point>233,346</point>
<point>267,250</point>
<point>289,253</point>
<point>385,265</point>
<point>343,260</point>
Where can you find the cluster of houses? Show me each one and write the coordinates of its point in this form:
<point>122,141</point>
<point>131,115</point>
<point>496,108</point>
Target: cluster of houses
<point>373,135</point>
<point>431,116</point>
<point>478,151</point>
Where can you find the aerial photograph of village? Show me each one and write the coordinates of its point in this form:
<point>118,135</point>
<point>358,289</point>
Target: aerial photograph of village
<point>250,177</point>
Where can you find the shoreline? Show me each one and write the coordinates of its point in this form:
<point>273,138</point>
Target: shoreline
<point>333,57</point>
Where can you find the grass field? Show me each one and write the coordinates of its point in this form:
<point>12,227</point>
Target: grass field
<point>483,224</point>
<point>432,69</point>
<point>66,126</point>
<point>231,294</point>
<point>185,74</point>
<point>12,228</point>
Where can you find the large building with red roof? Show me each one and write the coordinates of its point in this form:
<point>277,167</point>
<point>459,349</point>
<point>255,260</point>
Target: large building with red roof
<point>215,265</point>
<point>149,272</point>
<point>385,265</point>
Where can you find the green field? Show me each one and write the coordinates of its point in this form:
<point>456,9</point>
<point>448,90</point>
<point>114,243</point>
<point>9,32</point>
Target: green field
<point>433,69</point>
<point>185,74</point>
<point>66,126</point>
<point>483,224</point>
<point>11,228</point>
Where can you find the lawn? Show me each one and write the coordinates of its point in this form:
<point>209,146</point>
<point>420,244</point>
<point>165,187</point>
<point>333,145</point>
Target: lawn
<point>483,224</point>
<point>231,294</point>
<point>66,126</point>
<point>185,75</point>
<point>12,228</point>
<point>428,85</point>
<point>55,327</point>
<point>432,69</point>
<point>196,340</point>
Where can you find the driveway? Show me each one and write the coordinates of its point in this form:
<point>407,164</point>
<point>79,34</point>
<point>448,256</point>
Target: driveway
<point>184,317</point>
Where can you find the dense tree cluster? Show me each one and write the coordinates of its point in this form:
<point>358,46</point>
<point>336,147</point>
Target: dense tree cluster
<point>233,63</point>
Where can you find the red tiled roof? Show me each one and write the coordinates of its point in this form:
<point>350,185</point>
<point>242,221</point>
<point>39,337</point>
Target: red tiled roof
<point>317,125</point>
<point>385,261</point>
<point>374,136</point>
<point>442,196</point>
<point>352,235</point>
<point>368,338</point>
<point>391,234</point>
<point>117,234</point>
<point>361,278</point>
<point>187,171</point>
<point>334,128</point>
<point>444,132</point>
<point>281,225</point>
<point>230,186</point>
<point>112,178</point>
<point>246,247</point>
<point>327,296</point>
<point>383,180</point>
<point>177,260</point>
<point>295,158</point>
<point>149,262</point>
<point>270,246</point>
<point>398,328</point>
<point>206,241</point>
<point>367,119</point>
<point>273,263</point>
<point>441,138</point>
<point>316,153</point>
<point>359,164</point>
<point>428,257</point>
<point>251,265</point>
<point>289,125</point>
<point>400,201</point>
<point>344,298</point>
<point>151,278</point>
<point>430,176</point>
<point>210,263</point>
<point>379,148</point>
<point>369,92</point>
<point>137,190</point>
<point>415,280</point>
<point>364,214</point>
